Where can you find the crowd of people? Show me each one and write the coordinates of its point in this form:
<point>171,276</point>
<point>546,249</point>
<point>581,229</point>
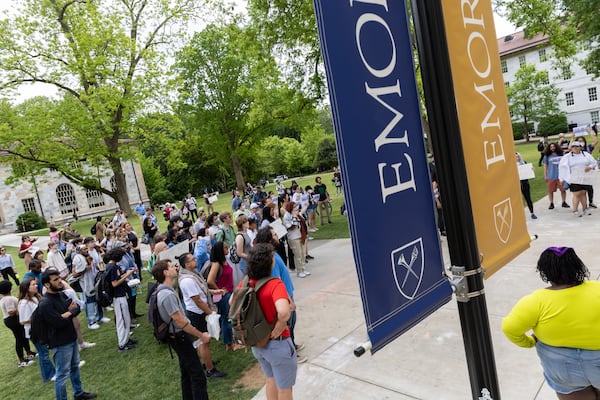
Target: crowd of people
<point>63,281</point>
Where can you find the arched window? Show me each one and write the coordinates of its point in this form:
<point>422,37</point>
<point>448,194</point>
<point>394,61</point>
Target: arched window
<point>113,184</point>
<point>66,199</point>
<point>94,198</point>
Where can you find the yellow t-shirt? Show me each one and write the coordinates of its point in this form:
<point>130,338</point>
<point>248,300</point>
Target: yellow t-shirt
<point>561,318</point>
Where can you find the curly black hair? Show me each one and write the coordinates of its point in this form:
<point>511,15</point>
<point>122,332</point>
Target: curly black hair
<point>562,270</point>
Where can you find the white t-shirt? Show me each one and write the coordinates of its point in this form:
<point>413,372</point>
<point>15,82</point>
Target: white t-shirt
<point>8,303</point>
<point>26,308</point>
<point>188,289</point>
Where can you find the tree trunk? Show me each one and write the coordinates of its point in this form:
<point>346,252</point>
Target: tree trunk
<point>237,169</point>
<point>121,196</point>
<point>526,131</point>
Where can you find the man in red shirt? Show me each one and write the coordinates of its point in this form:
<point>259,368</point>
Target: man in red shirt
<point>277,358</point>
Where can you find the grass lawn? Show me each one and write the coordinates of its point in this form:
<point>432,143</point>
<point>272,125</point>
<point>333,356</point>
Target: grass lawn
<point>148,372</point>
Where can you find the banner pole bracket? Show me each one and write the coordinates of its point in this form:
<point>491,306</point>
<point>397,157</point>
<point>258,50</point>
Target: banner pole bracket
<point>460,285</point>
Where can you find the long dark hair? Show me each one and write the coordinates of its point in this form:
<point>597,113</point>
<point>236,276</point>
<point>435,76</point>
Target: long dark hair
<point>217,253</point>
<point>558,151</point>
<point>24,291</point>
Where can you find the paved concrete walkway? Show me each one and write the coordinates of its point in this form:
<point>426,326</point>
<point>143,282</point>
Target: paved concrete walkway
<point>428,362</point>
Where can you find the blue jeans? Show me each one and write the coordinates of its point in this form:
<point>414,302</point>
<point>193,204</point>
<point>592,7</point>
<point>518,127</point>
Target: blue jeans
<point>46,366</point>
<point>93,313</point>
<point>223,310</point>
<point>243,266</point>
<point>66,360</point>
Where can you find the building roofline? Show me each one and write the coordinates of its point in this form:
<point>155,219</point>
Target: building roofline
<point>516,42</point>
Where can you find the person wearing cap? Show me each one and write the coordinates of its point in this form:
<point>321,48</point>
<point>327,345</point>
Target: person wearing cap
<point>575,169</point>
<point>255,212</point>
<point>85,269</point>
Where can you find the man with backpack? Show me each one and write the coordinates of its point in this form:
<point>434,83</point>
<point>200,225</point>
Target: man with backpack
<point>56,313</point>
<point>170,310</point>
<point>198,304</point>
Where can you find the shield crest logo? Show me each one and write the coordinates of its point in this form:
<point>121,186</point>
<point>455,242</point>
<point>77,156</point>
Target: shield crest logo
<point>503,219</point>
<point>407,266</point>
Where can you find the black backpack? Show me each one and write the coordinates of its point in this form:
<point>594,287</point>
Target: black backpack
<point>104,289</point>
<point>248,322</point>
<point>160,327</point>
<point>93,229</point>
<point>39,331</point>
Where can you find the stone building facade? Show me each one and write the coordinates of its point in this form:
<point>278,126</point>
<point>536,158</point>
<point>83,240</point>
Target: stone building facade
<point>58,200</point>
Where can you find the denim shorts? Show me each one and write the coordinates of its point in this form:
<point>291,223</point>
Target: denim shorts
<point>569,370</point>
<point>278,360</point>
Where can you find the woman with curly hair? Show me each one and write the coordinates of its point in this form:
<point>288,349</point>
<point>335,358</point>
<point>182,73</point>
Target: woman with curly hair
<point>565,320</point>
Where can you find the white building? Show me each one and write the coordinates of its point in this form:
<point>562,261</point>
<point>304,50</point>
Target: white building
<point>578,92</point>
<point>57,199</point>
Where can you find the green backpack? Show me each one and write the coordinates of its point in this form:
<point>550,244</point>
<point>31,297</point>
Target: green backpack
<point>248,322</point>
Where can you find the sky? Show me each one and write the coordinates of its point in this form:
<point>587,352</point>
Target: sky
<point>503,28</point>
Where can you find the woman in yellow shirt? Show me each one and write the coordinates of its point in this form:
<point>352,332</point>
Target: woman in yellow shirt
<point>565,320</point>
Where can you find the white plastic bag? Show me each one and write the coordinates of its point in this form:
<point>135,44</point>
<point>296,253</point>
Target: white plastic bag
<point>214,327</point>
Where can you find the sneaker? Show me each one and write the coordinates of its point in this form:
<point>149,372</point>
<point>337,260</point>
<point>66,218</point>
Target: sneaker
<point>109,308</point>
<point>135,326</point>
<point>81,363</point>
<point>86,345</point>
<point>577,214</point>
<point>31,356</point>
<point>105,320</point>
<point>301,275</point>
<point>533,216</point>
<point>94,326</point>
<point>214,373</point>
<point>85,396</point>
<point>53,379</point>
<point>310,257</point>
<point>299,347</point>
<point>593,205</point>
<point>551,206</point>
<point>587,211</point>
<point>132,342</point>
<point>565,205</point>
<point>312,230</point>
<point>302,359</point>
<point>125,348</point>
<point>25,363</point>
<point>306,272</point>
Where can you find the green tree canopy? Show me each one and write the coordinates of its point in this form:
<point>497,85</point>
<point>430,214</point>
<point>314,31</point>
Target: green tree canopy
<point>531,97</point>
<point>231,95</point>
<point>108,61</point>
<point>569,24</point>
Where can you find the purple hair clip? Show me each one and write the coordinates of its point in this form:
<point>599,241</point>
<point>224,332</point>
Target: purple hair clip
<point>559,251</point>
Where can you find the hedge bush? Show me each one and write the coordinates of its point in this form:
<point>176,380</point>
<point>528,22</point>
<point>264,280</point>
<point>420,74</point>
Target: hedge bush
<point>30,221</point>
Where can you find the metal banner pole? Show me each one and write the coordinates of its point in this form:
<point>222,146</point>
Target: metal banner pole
<point>449,159</point>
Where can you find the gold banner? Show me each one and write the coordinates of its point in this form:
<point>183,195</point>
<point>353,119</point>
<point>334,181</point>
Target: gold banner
<point>486,132</point>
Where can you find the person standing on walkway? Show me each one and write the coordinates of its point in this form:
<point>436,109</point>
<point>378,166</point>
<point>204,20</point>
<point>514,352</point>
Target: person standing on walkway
<point>525,188</point>
<point>575,168</point>
<point>56,312</point>
<point>552,156</point>
<point>193,380</point>
<point>565,320</point>
<point>277,359</point>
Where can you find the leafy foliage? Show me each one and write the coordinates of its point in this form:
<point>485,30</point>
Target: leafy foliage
<point>107,59</point>
<point>553,124</point>
<point>569,25</point>
<point>531,97</point>
<point>29,221</point>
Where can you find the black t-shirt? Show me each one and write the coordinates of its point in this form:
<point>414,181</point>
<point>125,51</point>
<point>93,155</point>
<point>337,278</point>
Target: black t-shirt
<point>321,189</point>
<point>114,272</point>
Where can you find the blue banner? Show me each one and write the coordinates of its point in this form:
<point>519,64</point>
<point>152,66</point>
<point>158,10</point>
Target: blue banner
<point>368,59</point>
